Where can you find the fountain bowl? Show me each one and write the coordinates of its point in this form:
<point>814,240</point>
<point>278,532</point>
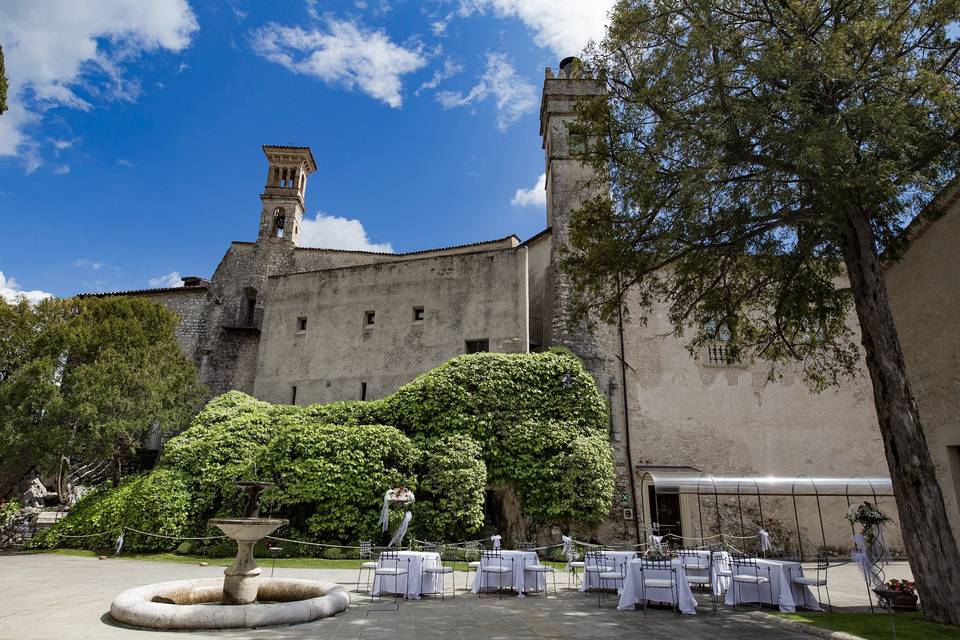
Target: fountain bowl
<point>192,604</point>
<point>248,529</point>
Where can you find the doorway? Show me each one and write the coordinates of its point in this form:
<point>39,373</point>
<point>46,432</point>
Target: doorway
<point>665,511</point>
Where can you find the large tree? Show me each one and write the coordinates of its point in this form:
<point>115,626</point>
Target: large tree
<point>83,380</point>
<point>3,85</point>
<point>764,158</point>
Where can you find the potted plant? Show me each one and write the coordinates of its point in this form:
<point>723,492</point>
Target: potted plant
<point>899,594</point>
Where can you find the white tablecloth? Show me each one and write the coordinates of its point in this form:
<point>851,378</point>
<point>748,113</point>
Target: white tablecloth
<point>415,581</point>
<point>632,592</point>
<point>520,578</point>
<point>721,561</point>
<point>787,595</point>
<point>614,560</point>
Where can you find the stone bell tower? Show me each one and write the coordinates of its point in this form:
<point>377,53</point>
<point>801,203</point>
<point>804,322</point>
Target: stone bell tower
<point>570,182</point>
<point>283,196</point>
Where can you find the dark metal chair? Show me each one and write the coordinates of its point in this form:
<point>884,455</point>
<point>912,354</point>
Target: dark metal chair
<point>471,554</point>
<point>367,563</point>
<point>391,565</point>
<point>440,571</point>
<point>605,571</point>
<point>820,581</point>
<point>746,571</point>
<point>493,563</point>
<point>595,563</point>
<point>698,566</point>
<point>540,569</point>
<point>651,577</point>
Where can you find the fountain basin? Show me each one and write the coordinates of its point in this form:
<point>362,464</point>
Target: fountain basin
<point>248,529</point>
<point>195,604</point>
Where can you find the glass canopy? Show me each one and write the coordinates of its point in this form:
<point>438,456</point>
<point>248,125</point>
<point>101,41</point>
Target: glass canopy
<point>687,480</point>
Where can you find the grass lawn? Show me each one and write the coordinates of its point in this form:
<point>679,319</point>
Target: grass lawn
<point>876,626</point>
<point>287,563</point>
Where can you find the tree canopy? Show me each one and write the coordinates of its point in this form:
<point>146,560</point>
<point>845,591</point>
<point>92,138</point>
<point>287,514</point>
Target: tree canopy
<point>3,84</point>
<point>531,428</point>
<point>762,157</point>
<point>87,379</point>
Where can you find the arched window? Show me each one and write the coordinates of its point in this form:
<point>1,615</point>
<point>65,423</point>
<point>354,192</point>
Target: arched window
<point>279,221</point>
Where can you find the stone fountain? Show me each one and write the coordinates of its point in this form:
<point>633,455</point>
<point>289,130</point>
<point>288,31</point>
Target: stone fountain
<point>242,578</point>
<point>242,598</point>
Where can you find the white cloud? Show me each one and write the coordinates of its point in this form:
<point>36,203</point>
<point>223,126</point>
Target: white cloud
<point>563,26</point>
<point>334,232</point>
<point>513,95</point>
<point>171,279</point>
<point>11,292</point>
<point>343,54</point>
<point>61,169</point>
<point>450,69</point>
<point>86,263</point>
<point>59,51</point>
<point>535,196</point>
<point>123,162</point>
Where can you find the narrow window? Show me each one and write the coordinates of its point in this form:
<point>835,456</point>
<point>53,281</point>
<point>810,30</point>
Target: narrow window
<point>369,318</point>
<point>302,323</point>
<point>293,394</point>
<point>478,346</point>
<point>363,390</point>
<point>418,314</point>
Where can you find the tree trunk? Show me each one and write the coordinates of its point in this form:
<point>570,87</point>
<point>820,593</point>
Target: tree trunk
<point>930,545</point>
<point>115,475</point>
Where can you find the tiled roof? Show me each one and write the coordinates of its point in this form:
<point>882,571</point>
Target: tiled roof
<point>133,292</point>
<point>408,253</point>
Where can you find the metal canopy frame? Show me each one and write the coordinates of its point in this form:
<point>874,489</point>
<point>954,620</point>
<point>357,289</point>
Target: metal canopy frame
<point>691,481</point>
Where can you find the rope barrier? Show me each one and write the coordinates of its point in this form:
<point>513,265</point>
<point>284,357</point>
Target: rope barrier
<point>160,535</point>
<point>90,535</point>
<point>313,544</point>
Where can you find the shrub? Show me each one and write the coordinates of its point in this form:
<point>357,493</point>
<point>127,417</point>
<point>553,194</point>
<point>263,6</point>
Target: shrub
<point>332,553</point>
<point>157,502</point>
<point>449,504</point>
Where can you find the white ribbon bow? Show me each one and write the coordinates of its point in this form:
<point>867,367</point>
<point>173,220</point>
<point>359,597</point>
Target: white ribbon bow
<point>496,541</point>
<point>402,529</point>
<point>764,540</point>
<point>656,541</point>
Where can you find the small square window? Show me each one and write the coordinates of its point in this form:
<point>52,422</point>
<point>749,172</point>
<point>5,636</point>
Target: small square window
<point>302,323</point>
<point>369,318</point>
<point>478,346</point>
<point>418,314</point>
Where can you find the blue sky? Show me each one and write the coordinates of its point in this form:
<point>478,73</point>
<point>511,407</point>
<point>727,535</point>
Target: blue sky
<point>131,152</point>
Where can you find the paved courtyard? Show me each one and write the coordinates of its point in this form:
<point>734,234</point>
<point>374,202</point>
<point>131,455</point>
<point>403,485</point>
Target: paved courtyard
<point>52,596</point>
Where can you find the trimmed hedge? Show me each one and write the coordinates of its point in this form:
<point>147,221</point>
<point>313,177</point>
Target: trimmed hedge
<point>532,424</point>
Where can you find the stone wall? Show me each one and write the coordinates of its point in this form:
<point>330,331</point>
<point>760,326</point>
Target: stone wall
<point>465,296</point>
<point>188,303</point>
<point>924,289</point>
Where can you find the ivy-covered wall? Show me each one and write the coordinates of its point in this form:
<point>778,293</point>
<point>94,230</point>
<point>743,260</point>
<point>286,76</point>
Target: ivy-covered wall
<point>529,427</point>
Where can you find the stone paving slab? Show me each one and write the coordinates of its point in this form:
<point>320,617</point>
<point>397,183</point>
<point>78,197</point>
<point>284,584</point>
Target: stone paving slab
<point>52,597</point>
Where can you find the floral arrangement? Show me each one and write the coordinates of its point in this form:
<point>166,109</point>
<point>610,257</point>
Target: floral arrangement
<point>656,553</point>
<point>904,586</point>
<point>866,515</point>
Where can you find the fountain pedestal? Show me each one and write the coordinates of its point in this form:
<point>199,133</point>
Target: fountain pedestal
<point>242,578</point>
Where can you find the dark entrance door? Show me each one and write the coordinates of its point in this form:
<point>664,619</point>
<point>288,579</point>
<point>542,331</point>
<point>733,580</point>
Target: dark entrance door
<point>665,508</point>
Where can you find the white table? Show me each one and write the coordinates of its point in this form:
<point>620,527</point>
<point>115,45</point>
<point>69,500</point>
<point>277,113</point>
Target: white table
<point>613,558</point>
<point>520,578</point>
<point>633,593</point>
<point>415,582</point>
<point>787,595</point>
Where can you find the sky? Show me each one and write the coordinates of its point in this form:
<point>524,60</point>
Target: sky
<point>131,153</point>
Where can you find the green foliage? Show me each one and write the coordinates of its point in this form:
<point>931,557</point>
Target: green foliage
<point>87,379</point>
<point>331,478</point>
<point>158,502</point>
<point>3,85</point>
<point>533,424</point>
<point>7,510</point>
<point>750,148</point>
<point>332,553</point>
<point>450,500</point>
